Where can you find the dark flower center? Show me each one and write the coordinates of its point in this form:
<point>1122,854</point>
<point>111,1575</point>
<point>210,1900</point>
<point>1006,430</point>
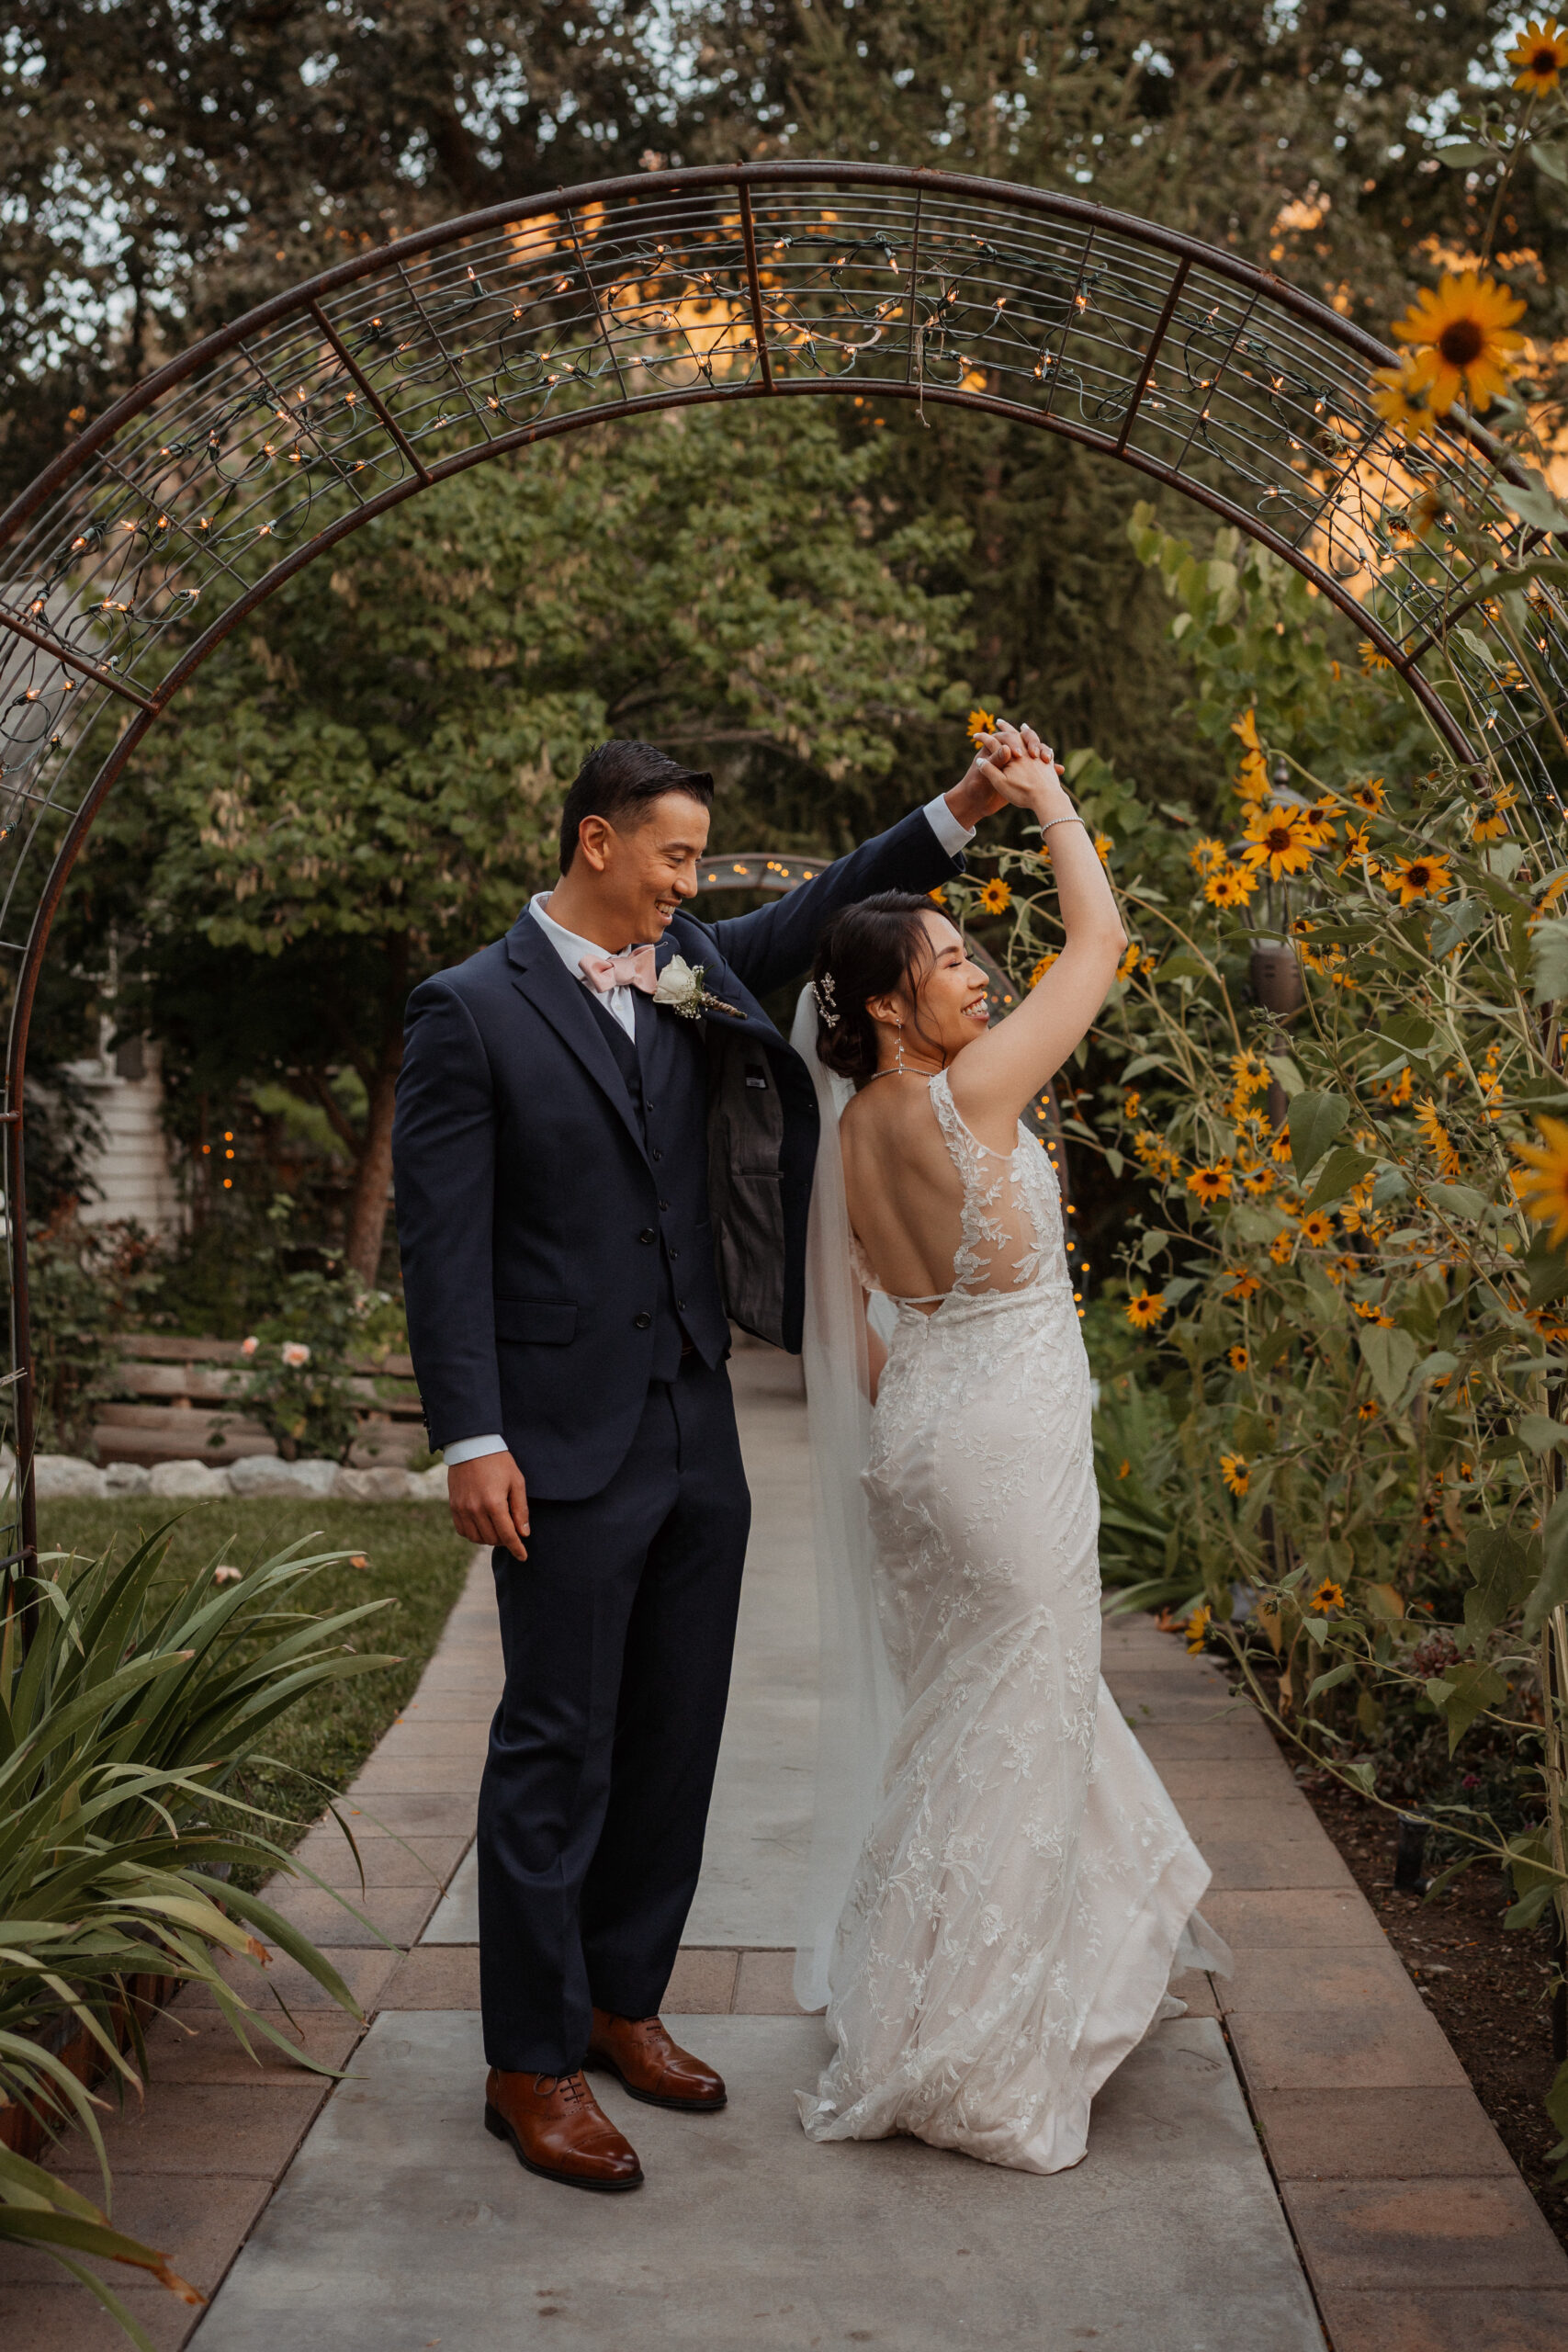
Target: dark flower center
<point>1419,876</point>
<point>1544,62</point>
<point>1461,342</point>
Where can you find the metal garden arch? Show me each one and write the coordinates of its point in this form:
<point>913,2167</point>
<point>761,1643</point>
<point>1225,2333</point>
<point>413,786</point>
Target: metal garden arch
<point>173,516</point>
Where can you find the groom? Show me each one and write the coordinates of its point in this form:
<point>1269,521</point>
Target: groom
<point>599,1164</point>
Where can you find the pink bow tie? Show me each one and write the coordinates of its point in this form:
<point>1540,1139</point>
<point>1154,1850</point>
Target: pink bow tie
<point>632,969</point>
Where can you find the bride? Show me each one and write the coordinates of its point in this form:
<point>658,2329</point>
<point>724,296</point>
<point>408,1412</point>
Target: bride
<point>1000,1890</point>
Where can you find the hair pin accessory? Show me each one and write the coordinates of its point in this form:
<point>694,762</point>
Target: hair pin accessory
<point>827,1007</point>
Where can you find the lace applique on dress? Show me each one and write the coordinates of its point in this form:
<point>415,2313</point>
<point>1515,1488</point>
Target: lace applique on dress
<point>1009,1213</point>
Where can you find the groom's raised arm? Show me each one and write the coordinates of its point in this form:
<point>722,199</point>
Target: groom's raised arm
<point>777,942</point>
<point>444,1171</point>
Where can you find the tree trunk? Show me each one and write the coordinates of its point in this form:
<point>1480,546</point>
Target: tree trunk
<point>373,1176</point>
<point>367,1209</point>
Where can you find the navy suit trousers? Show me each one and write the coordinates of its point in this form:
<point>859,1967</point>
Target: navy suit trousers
<point>618,1632</point>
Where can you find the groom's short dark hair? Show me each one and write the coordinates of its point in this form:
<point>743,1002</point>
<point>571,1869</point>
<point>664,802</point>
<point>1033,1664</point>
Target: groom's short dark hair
<point>617,780</point>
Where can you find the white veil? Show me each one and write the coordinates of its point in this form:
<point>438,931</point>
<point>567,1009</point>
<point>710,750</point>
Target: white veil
<point>860,1709</point>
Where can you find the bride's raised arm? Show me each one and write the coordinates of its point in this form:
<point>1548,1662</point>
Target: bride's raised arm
<point>995,1077</point>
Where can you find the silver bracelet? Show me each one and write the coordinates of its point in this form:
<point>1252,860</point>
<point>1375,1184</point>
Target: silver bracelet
<point>1059,820</point>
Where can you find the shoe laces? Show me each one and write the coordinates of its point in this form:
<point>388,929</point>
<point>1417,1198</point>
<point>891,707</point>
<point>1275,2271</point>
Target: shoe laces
<point>572,2087</point>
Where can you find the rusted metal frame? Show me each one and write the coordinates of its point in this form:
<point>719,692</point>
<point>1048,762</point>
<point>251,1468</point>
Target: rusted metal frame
<point>605,336</point>
<point>447,359</point>
<point>63,654</point>
<point>1152,354</point>
<point>281,408</point>
<point>388,421</point>
<point>644,187</point>
<point>753,279</point>
<point>1202,418</point>
<point>914,294</point>
<point>1051,375</point>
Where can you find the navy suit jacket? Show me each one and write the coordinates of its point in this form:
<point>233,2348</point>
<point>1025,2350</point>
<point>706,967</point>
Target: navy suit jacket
<point>543,1213</point>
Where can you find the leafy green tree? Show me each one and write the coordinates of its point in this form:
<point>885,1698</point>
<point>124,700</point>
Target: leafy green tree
<point>169,162</point>
<point>365,785</point>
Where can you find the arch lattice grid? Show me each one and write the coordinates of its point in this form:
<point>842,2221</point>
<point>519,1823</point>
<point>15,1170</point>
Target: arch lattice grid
<point>174,514</point>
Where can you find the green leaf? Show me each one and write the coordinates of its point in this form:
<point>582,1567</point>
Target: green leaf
<point>1538,1432</point>
<point>1344,1169</point>
<point>1527,1910</point>
<point>1288,1074</point>
<point>1182,966</point>
<point>1503,1569</point>
<point>1551,1590</point>
<point>1552,161</point>
<point>1548,959</point>
<point>1335,1675</point>
<point>1315,1119</point>
<point>1548,1270</point>
<point>1462,1693</point>
<point>1458,1200</point>
<point>1466,155</point>
<point>1389,1357</point>
<point>1535,506</point>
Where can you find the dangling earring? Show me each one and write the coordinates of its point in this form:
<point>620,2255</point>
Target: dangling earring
<point>898,1064</point>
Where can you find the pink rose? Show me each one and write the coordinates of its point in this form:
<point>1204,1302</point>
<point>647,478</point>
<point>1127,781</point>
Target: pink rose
<point>249,1347</point>
<point>295,1353</point>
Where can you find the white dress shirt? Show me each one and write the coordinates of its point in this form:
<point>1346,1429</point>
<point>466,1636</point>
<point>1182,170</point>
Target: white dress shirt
<point>571,949</point>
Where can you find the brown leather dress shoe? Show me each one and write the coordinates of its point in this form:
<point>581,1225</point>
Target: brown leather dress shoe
<point>560,2131</point>
<point>651,2067</point>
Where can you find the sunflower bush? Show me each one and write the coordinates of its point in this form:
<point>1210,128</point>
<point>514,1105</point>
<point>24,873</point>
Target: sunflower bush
<point>1337,1055</point>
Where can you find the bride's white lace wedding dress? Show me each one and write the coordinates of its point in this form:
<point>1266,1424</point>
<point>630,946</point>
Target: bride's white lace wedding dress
<point>1027,1889</point>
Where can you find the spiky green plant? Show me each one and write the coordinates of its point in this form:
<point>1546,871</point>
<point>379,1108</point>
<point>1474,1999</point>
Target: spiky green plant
<point>124,1721</point>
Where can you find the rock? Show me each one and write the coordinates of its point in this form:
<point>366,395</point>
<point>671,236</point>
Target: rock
<point>372,1487</point>
<point>58,1476</point>
<point>126,1478</point>
<point>428,1485</point>
<point>188,1482</point>
<point>264,1474</point>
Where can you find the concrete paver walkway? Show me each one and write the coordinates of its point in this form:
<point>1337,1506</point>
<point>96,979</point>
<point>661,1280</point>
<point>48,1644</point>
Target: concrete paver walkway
<point>402,2224</point>
<point>1307,2121</point>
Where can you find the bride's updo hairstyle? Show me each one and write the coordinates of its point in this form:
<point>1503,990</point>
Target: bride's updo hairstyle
<point>874,949</point>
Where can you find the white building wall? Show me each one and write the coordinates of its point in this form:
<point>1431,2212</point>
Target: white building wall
<point>131,1175</point>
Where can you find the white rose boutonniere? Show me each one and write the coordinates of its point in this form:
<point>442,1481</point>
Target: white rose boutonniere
<point>679,986</point>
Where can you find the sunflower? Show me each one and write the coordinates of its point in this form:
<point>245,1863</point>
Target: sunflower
<point>1243,1283</point>
<point>1279,1249</point>
<point>1129,964</point>
<point>1247,727</point>
<point>1250,1072</point>
<point>1371,660</point>
<point>1042,966</point>
<point>1538,56</point>
<point>1275,839</point>
<point>1328,1595</point>
<point>1253,781</point>
<point>1366,1411</point>
<point>937,896</point>
<point>1400,1092</point>
<point>1131,1102</point>
<point>981,723</point>
<point>1230,885</point>
<point>1197,1627</point>
<point>1205,855</point>
<point>1358,845</point>
<point>1315,821</point>
<point>1318,1228</point>
<point>1402,401</point>
<point>1489,1085</point>
<point>1258,1181</point>
<point>1234,1471</point>
<point>995,897</point>
<point>1144,1310</point>
<point>1418,878</point>
<point>1237,1358</point>
<point>1369,794</point>
<point>1126,1469</point>
<point>1465,338</point>
<point>1436,1137</point>
<point>1542,1184</point>
<point>1280,1149</point>
<point>1210,1185</point>
<point>1371,1312</point>
<point>1103,845</point>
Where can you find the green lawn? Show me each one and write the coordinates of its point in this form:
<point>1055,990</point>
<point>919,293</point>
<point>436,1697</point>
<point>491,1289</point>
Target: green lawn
<point>412,1555</point>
